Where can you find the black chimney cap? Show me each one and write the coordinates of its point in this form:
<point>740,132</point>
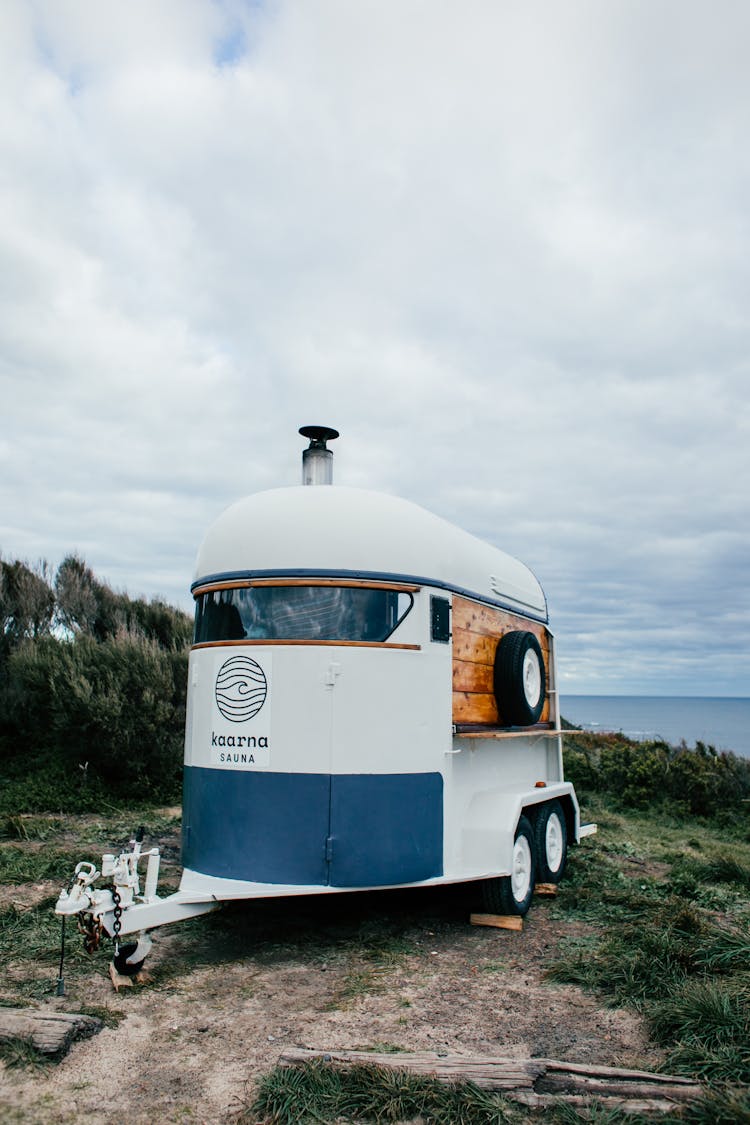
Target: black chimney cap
<point>319,433</point>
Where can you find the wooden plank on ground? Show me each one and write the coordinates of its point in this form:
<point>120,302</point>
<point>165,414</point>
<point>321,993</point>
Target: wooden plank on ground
<point>499,921</point>
<point>545,889</point>
<point>496,1074</point>
<point>49,1032</point>
<point>536,1082</point>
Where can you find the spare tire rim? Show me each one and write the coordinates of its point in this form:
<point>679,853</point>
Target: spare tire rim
<point>532,678</point>
<point>520,878</point>
<point>553,843</point>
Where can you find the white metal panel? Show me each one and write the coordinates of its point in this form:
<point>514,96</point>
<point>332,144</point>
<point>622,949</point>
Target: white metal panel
<point>391,711</point>
<point>482,774</point>
<point>346,529</point>
<point>490,823</point>
<point>295,720</point>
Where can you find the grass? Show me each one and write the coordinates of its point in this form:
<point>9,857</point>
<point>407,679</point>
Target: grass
<point>720,1107</point>
<point>373,957</point>
<point>20,1054</point>
<point>317,1092</point>
<point>30,953</point>
<point>675,947</point>
<point>21,865</point>
<point>656,941</point>
<point>665,902</point>
<point>706,1026</point>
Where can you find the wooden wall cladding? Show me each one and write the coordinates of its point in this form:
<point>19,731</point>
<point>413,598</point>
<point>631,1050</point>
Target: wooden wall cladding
<point>477,630</point>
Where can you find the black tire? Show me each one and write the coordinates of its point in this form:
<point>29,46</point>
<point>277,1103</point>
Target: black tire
<point>519,679</point>
<point>551,841</point>
<point>512,893</point>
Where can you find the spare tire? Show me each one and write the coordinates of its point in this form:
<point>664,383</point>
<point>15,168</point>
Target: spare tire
<point>519,679</point>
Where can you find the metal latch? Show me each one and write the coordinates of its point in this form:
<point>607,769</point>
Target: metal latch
<point>334,671</point>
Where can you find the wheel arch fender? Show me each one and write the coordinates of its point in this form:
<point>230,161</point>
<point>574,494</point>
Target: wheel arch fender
<point>492,820</point>
<point>488,832</point>
<point>567,799</point>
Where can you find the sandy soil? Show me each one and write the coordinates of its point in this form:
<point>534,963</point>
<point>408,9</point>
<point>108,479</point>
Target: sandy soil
<point>231,991</point>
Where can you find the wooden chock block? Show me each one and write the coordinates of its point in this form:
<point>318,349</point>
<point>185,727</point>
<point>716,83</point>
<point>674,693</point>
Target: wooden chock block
<point>499,921</point>
<point>545,889</point>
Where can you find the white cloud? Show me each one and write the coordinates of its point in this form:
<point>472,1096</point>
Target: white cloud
<point>504,249</point>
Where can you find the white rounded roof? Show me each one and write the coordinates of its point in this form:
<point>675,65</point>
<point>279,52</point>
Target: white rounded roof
<point>338,530</point>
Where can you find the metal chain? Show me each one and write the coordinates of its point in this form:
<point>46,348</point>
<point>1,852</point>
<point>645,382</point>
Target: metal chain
<point>116,925</point>
<point>91,928</point>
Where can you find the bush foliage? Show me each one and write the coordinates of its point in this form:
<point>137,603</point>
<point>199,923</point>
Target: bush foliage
<point>92,690</point>
<point>700,781</point>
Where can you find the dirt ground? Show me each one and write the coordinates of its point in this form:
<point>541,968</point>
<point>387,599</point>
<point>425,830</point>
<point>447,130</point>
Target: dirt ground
<point>230,991</point>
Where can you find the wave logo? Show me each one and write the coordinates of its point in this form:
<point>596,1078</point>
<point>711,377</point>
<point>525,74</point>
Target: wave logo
<point>241,689</point>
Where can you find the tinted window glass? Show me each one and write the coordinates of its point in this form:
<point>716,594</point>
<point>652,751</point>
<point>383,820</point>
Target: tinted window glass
<point>314,613</point>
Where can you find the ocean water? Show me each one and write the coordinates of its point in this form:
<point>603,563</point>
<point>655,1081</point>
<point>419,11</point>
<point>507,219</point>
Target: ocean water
<point>721,723</point>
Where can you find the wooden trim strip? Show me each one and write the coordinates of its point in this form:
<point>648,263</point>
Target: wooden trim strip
<point>337,644</point>
<point>356,583</point>
<point>530,732</point>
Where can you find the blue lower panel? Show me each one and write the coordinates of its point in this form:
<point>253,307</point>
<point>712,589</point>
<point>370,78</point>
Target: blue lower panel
<point>264,827</point>
<point>347,830</point>
<point>386,828</point>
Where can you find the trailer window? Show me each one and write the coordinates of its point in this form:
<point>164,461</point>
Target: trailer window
<point>299,613</point>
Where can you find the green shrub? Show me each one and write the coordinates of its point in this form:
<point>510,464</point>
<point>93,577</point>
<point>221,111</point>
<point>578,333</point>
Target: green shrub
<point>636,771</point>
<point>111,711</point>
<point>92,691</point>
<point>698,781</point>
<point>582,765</point>
<point>87,607</point>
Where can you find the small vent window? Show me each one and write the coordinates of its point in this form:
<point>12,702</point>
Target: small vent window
<point>440,619</point>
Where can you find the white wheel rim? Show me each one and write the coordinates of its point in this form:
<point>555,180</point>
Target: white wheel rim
<point>553,843</point>
<point>520,878</point>
<point>532,678</point>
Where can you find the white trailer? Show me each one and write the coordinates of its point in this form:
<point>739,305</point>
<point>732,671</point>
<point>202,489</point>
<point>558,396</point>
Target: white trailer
<point>372,703</point>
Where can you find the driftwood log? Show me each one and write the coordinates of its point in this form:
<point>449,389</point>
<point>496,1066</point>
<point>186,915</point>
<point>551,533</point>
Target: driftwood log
<point>535,1082</point>
<point>50,1033</point>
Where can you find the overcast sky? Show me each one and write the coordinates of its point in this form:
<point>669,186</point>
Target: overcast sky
<point>503,247</point>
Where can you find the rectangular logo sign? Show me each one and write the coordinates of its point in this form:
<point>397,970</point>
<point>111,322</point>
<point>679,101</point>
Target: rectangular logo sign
<point>240,734</point>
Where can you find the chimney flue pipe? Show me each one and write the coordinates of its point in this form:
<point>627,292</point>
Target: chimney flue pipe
<point>317,460</point>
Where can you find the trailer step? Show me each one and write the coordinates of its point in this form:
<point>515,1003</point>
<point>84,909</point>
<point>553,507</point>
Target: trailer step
<point>587,830</point>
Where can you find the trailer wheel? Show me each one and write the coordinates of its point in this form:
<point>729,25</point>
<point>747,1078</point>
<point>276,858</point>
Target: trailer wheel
<point>551,839</point>
<point>519,679</point>
<point>120,960</point>
<point>512,893</point>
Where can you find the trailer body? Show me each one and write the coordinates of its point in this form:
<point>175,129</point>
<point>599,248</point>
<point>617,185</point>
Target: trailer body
<point>343,730</point>
<point>372,702</point>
